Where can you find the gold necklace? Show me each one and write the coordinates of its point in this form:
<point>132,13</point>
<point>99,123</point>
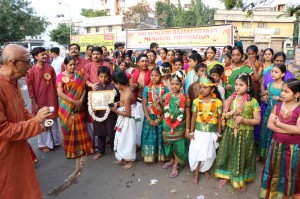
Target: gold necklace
<point>286,110</point>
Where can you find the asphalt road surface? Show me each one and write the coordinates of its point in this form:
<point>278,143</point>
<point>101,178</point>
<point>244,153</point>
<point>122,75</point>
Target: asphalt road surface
<point>102,179</point>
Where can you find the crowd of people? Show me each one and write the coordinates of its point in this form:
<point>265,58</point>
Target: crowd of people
<point>175,107</point>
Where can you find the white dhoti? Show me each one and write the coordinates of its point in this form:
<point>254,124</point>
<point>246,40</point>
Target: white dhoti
<point>125,137</point>
<point>48,139</point>
<point>139,124</point>
<point>203,149</point>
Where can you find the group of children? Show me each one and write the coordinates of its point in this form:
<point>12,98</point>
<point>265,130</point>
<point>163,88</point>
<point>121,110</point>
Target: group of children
<point>188,114</point>
<point>211,112</point>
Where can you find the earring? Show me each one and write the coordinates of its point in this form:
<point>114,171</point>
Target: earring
<point>248,89</point>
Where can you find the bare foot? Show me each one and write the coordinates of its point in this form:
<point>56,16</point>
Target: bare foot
<point>97,156</point>
<point>120,162</point>
<point>195,180</point>
<point>129,165</point>
<point>223,182</point>
<point>207,175</point>
<point>242,189</point>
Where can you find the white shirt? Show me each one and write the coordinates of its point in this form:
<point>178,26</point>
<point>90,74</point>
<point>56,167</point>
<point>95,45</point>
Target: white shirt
<point>56,64</point>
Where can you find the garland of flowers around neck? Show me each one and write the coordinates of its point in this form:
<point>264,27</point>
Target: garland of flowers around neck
<point>178,120</point>
<point>228,102</point>
<point>150,94</point>
<point>111,100</point>
<point>212,110</point>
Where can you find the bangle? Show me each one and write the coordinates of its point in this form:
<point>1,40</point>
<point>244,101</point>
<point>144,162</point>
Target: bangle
<point>191,133</point>
<point>187,130</point>
<point>149,120</point>
<point>219,135</point>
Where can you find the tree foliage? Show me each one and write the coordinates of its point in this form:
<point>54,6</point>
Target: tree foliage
<point>18,20</point>
<point>138,16</point>
<point>92,13</point>
<point>61,34</point>
<point>170,15</point>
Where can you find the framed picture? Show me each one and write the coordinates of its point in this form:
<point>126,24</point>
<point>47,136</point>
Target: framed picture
<point>101,99</point>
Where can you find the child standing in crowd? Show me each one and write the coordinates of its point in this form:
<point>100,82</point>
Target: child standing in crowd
<point>104,124</point>
<point>236,68</point>
<point>206,128</point>
<point>170,58</point>
<point>281,173</point>
<point>227,59</point>
<point>226,50</point>
<point>123,67</point>
<point>274,90</point>
<point>163,56</point>
<point>236,155</point>
<point>125,136</point>
<point>167,70</point>
<point>175,125</point>
<point>152,141</point>
<point>191,75</point>
<point>216,73</point>
<point>178,64</point>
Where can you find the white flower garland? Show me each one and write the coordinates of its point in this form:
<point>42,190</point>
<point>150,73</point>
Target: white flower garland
<point>111,100</point>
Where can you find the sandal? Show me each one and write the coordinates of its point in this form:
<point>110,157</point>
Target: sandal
<point>128,166</point>
<point>168,165</point>
<point>174,172</point>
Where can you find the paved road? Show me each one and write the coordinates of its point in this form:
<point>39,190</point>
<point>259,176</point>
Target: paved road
<point>102,179</point>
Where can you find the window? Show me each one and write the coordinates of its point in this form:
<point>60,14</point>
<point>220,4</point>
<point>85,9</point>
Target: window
<point>97,29</point>
<point>88,30</point>
<point>109,28</point>
<point>262,25</point>
<point>246,25</point>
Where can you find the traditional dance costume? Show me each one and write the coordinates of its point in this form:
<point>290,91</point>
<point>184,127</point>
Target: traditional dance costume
<point>152,142</point>
<point>203,146</point>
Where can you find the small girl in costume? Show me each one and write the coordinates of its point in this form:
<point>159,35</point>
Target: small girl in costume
<point>206,128</point>
<point>281,173</point>
<point>175,125</point>
<point>274,90</point>
<point>152,141</point>
<point>236,155</point>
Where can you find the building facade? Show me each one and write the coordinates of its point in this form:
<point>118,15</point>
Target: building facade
<point>267,27</point>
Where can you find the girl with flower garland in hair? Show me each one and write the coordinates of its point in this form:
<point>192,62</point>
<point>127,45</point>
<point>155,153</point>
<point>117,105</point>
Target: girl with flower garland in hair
<point>152,141</point>
<point>206,128</point>
<point>281,173</point>
<point>104,120</point>
<point>175,125</point>
<point>236,154</point>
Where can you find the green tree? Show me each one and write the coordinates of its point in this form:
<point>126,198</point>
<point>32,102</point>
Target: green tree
<point>18,20</point>
<point>61,34</point>
<point>92,13</point>
<point>171,16</point>
<point>137,16</point>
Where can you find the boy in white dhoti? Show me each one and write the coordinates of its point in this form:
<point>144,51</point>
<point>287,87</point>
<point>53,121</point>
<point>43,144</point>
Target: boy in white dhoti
<point>125,137</point>
<point>206,128</point>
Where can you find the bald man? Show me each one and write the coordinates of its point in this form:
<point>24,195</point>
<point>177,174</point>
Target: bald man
<point>17,176</point>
